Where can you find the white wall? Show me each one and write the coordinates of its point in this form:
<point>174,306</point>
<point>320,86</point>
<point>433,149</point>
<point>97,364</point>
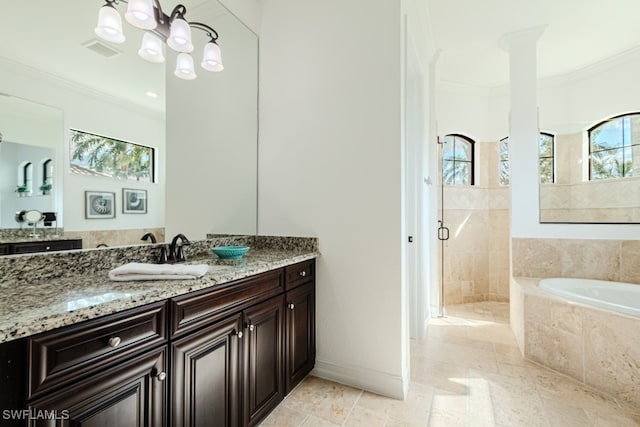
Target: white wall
<point>212,141</point>
<point>330,166</point>
<point>248,11</point>
<point>96,113</point>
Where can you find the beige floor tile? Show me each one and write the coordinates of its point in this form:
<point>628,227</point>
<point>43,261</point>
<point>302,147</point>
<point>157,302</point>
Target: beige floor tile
<point>467,372</point>
<point>365,417</point>
<point>446,419</point>
<point>283,416</point>
<point>325,399</point>
<point>560,414</point>
<point>313,421</point>
<point>413,410</point>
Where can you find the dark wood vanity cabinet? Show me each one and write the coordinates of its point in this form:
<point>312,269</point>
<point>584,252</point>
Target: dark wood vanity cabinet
<point>205,381</point>
<point>40,246</point>
<point>300,334</point>
<point>263,359</point>
<point>132,393</point>
<point>223,357</point>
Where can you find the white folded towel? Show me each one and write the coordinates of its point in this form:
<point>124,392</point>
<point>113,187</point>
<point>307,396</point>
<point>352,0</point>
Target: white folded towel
<point>141,271</point>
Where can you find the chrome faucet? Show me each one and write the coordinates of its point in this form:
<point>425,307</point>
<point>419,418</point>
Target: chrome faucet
<point>176,252</point>
<point>149,236</point>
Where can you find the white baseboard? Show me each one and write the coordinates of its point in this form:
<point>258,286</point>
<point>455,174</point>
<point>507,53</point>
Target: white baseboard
<point>393,386</point>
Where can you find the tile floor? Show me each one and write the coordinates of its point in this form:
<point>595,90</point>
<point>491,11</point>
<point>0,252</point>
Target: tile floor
<point>467,372</point>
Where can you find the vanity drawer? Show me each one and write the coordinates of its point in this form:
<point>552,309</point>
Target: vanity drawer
<point>199,308</point>
<point>300,273</point>
<point>68,353</point>
<point>46,246</point>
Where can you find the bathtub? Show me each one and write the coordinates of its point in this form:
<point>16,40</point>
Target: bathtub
<point>615,296</point>
<point>586,329</point>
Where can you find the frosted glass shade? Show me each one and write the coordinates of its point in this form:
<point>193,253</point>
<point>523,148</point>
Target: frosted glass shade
<point>109,25</point>
<point>180,36</point>
<point>184,67</point>
<point>212,58</point>
<point>140,14</point>
<point>152,48</point>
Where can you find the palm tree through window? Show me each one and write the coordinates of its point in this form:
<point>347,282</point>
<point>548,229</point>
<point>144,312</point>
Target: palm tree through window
<point>457,160</point>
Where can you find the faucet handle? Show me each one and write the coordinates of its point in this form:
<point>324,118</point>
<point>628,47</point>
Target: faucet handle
<point>180,257</point>
<point>162,259</point>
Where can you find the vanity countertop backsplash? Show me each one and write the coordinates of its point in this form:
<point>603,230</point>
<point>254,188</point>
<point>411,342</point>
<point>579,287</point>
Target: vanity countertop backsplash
<point>41,292</point>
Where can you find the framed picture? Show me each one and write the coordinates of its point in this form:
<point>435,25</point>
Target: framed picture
<point>99,205</point>
<point>134,201</point>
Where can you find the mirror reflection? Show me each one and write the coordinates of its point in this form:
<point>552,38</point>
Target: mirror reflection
<point>594,117</point>
<point>107,89</point>
<point>29,157</point>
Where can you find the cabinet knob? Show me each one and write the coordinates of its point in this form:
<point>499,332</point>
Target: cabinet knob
<point>251,328</point>
<point>161,376</point>
<point>303,273</point>
<point>114,342</point>
<point>47,248</point>
<point>292,306</point>
<point>239,334</point>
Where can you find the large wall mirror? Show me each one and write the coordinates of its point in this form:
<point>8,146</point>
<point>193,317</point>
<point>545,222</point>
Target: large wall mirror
<point>204,132</point>
<point>597,143</point>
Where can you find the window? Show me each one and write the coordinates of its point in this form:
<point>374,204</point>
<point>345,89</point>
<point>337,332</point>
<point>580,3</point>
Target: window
<point>97,155</point>
<point>611,147</point>
<point>546,159</point>
<point>503,161</point>
<point>457,160</point>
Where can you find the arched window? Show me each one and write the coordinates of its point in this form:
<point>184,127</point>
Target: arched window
<point>457,160</point>
<point>611,146</point>
<point>546,159</point>
<point>503,162</point>
<point>546,156</point>
<point>25,178</point>
<point>47,176</point>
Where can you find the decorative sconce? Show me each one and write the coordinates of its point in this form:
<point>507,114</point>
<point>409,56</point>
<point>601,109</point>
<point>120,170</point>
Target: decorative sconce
<point>174,30</point>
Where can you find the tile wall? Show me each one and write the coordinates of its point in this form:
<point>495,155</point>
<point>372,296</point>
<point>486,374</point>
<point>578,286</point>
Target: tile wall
<point>617,260</point>
<point>476,256</point>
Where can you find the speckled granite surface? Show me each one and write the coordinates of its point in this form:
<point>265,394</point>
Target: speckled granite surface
<point>16,235</point>
<point>41,292</point>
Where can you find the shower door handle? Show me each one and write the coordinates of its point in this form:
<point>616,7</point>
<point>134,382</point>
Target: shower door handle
<point>443,232</point>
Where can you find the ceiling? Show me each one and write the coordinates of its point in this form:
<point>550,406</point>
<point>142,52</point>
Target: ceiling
<point>578,33</point>
<point>53,41</point>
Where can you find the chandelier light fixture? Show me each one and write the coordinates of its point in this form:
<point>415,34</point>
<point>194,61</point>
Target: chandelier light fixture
<point>174,30</point>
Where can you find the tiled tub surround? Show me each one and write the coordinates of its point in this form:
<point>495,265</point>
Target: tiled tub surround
<point>41,292</point>
<point>597,347</point>
<point>615,260</point>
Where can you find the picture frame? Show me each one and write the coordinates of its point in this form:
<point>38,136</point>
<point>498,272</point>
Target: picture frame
<point>99,205</point>
<point>134,201</point>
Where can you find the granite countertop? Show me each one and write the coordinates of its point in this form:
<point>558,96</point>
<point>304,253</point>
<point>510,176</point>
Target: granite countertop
<point>33,307</point>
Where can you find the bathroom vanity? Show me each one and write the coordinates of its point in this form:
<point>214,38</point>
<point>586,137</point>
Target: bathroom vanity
<point>223,350</point>
<point>30,246</point>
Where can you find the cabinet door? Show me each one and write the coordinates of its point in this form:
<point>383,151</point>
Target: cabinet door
<point>131,394</point>
<point>300,337</point>
<point>205,382</point>
<point>263,358</point>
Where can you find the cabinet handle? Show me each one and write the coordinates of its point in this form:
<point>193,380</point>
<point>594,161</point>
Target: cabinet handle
<point>161,376</point>
<point>303,273</point>
<point>292,306</point>
<point>251,328</point>
<point>114,342</point>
